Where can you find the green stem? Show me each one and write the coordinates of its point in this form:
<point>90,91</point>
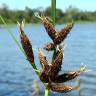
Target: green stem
<point>12,35</point>
<point>54,55</point>
<point>53,11</point>
<point>46,91</point>
<point>16,41</point>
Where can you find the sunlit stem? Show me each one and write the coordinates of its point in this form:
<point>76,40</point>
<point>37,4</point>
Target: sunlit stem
<point>16,41</point>
<point>46,92</point>
<point>12,35</point>
<point>53,11</point>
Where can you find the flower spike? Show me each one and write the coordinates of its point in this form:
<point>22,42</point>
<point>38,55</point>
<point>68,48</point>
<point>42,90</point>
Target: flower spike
<point>66,77</point>
<point>48,26</point>
<point>56,64</point>
<point>43,60</point>
<point>45,67</point>
<point>26,44</point>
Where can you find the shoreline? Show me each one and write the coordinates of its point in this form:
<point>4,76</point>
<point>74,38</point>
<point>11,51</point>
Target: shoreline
<point>29,24</point>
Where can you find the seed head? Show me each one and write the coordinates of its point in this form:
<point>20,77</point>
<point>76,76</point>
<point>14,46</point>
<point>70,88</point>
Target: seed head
<point>48,26</point>
<point>26,45</point>
<point>66,77</point>
<point>57,87</point>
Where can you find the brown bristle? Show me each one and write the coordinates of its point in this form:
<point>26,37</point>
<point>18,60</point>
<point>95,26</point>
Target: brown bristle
<point>27,47</point>
<point>60,36</point>
<point>49,47</point>
<point>61,88</point>
<point>56,64</point>
<point>66,77</point>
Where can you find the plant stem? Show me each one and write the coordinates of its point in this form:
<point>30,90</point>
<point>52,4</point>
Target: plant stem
<point>53,11</point>
<point>12,35</point>
<point>16,41</point>
<point>46,91</point>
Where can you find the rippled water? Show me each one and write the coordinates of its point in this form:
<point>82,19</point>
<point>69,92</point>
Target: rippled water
<point>16,74</point>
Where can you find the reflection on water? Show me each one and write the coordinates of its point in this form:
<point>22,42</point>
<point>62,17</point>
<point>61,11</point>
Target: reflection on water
<point>16,75</point>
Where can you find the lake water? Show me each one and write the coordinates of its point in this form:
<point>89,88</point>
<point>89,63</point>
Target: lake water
<point>16,74</point>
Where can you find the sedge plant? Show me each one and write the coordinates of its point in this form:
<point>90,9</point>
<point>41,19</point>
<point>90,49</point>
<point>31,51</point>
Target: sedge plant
<point>49,74</point>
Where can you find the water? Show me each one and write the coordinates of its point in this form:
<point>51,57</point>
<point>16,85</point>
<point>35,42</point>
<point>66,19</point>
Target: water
<point>16,74</point>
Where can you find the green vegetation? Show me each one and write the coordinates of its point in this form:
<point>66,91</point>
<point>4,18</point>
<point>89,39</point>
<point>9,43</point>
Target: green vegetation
<point>11,16</point>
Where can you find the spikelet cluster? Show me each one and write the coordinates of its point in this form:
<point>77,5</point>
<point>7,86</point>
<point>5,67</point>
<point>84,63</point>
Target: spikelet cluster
<point>49,73</point>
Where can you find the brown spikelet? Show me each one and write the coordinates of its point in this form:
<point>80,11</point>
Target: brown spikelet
<point>49,27</point>
<point>60,88</point>
<point>26,46</point>
<point>56,65</point>
<point>45,67</point>
<point>43,61</point>
<point>66,77</point>
<point>60,36</point>
<point>49,47</point>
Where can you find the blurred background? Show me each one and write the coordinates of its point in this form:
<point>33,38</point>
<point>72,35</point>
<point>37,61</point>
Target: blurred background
<point>16,74</point>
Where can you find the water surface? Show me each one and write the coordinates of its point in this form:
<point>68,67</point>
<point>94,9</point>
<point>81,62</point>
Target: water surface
<point>16,74</point>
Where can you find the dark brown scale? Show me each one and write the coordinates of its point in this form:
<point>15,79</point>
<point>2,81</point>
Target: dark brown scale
<point>27,46</point>
<point>49,28</point>
<point>49,47</point>
<point>60,36</point>
<point>56,65</point>
<point>66,77</point>
<point>60,88</point>
<point>43,77</point>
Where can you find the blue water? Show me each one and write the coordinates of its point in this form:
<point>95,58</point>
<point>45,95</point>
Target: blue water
<point>16,74</point>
